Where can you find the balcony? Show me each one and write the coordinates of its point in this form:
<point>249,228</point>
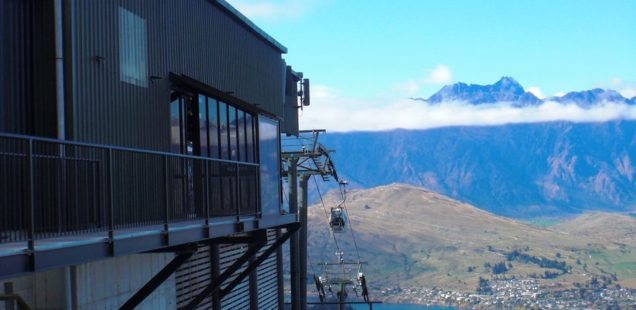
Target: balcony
<point>63,203</point>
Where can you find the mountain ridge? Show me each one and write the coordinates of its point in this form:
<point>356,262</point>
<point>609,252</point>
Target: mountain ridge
<point>507,89</point>
<point>518,170</point>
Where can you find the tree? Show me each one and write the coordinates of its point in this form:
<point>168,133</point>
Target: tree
<point>499,268</point>
<point>484,286</point>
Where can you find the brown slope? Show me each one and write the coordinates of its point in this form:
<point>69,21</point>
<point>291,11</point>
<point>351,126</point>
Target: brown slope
<point>412,236</point>
<point>609,226</point>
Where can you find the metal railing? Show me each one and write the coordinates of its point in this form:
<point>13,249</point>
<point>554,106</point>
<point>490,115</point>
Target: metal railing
<point>51,188</point>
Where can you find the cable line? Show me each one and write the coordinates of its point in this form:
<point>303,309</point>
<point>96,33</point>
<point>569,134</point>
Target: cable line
<point>322,202</point>
<point>353,236</point>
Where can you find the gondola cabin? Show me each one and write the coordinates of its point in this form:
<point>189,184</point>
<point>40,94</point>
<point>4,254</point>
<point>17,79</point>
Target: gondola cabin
<point>338,219</point>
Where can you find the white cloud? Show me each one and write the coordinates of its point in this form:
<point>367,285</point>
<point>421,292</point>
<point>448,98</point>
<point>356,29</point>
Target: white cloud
<point>441,74</point>
<point>536,91</point>
<point>625,88</point>
<point>334,112</point>
<point>628,92</point>
<point>273,10</point>
<point>409,88</point>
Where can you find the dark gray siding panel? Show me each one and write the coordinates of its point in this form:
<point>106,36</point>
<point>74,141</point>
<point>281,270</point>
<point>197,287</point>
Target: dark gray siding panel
<point>290,123</point>
<point>44,95</point>
<point>187,37</point>
<point>194,276</point>
<point>27,75</point>
<point>16,101</point>
<point>267,276</point>
<point>239,297</point>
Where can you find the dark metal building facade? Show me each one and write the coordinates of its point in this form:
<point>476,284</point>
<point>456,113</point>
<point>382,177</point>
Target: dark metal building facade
<point>115,169</point>
<point>27,67</point>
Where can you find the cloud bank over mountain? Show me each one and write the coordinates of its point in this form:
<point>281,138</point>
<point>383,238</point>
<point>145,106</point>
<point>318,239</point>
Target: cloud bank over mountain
<point>460,104</point>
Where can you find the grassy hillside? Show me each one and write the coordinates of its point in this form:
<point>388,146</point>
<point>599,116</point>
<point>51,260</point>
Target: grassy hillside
<point>414,237</point>
<point>612,227</point>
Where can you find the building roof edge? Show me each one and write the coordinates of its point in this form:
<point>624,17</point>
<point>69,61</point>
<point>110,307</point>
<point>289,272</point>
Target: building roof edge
<point>250,25</point>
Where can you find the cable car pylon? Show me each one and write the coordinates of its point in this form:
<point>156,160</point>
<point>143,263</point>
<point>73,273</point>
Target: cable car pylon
<point>302,158</point>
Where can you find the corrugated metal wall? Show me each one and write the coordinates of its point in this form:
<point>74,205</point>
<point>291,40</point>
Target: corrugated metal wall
<point>290,125</point>
<point>190,37</point>
<point>196,274</point>
<point>239,298</point>
<point>27,67</point>
<point>17,65</point>
<point>193,276</point>
<point>267,278</point>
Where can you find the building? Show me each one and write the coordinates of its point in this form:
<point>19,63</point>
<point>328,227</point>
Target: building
<point>140,155</point>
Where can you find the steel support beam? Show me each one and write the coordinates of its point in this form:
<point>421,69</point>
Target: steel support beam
<point>216,272</point>
<point>294,252</point>
<point>216,283</point>
<point>253,284</point>
<point>259,236</point>
<point>159,278</point>
<point>291,231</point>
<point>302,243</point>
<point>280,273</point>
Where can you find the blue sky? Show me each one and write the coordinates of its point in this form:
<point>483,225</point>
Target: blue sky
<point>377,50</point>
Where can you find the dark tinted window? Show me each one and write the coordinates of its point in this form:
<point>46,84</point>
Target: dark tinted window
<point>213,121</point>
<point>241,136</point>
<point>175,126</point>
<point>224,131</point>
<point>233,129</point>
<point>249,137</point>
<point>203,125</point>
<point>269,151</point>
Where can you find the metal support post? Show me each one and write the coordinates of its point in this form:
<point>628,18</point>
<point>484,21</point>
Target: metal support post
<point>253,284</point>
<point>237,195</point>
<point>294,255</point>
<point>206,193</point>
<point>280,273</point>
<point>166,198</point>
<point>304,178</point>
<point>216,272</point>
<point>291,230</point>
<point>31,206</point>
<point>216,282</point>
<point>341,298</point>
<point>109,192</point>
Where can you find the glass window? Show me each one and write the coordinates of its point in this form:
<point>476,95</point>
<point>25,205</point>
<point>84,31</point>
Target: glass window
<point>269,151</point>
<point>241,136</point>
<point>249,137</point>
<point>233,133</point>
<point>175,126</point>
<point>133,48</point>
<point>203,125</point>
<point>213,120</point>
<point>224,131</point>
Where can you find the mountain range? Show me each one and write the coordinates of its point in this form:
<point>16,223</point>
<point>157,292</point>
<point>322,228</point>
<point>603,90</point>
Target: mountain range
<point>509,90</point>
<point>519,170</point>
<point>546,169</point>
